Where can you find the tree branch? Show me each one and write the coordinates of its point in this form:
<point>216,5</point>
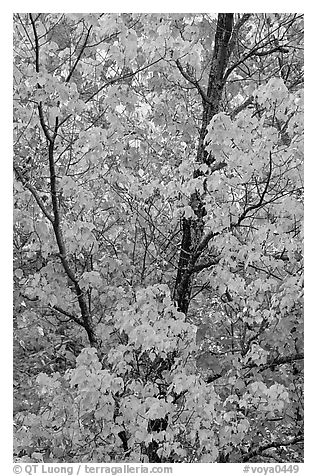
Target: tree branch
<point>287,359</point>
<point>193,81</point>
<point>275,444</point>
<point>208,264</point>
<point>216,167</point>
<point>68,314</point>
<point>58,309</point>
<point>254,52</point>
<point>30,187</point>
<point>121,78</point>
<point>37,46</point>
<point>110,82</point>
<point>37,69</point>
<point>204,242</point>
<point>242,106</point>
<point>79,56</point>
<point>260,202</point>
<point>55,220</point>
<point>245,17</point>
<point>272,50</point>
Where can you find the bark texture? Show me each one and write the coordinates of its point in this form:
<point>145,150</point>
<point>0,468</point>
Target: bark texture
<point>193,228</point>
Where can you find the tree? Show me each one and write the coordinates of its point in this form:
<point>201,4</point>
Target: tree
<point>158,237</point>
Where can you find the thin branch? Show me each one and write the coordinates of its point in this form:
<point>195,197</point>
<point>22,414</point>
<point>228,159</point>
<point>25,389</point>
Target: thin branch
<point>37,69</point>
<point>250,100</point>
<point>68,314</point>
<point>30,187</point>
<point>242,106</point>
<point>204,242</point>
<point>79,55</point>
<point>275,362</point>
<point>56,308</point>
<point>113,81</point>
<point>272,50</point>
<point>55,220</point>
<point>254,52</point>
<point>245,17</point>
<point>260,202</point>
<point>37,46</point>
<point>123,77</point>
<point>275,444</point>
<point>193,81</point>
<point>287,359</point>
<point>216,167</point>
<point>42,122</point>
<point>208,264</point>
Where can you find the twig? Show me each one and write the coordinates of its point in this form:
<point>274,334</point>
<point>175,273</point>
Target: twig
<point>193,81</point>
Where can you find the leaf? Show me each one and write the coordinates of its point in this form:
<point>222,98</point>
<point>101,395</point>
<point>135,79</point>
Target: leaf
<point>18,273</point>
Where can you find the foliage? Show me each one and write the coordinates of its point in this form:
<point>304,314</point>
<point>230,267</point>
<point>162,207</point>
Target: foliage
<point>158,237</point>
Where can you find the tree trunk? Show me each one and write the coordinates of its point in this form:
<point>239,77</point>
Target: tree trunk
<point>193,228</point>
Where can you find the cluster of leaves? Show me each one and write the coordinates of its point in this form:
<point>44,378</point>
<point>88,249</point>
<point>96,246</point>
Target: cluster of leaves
<point>158,237</point>
<point>145,380</point>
